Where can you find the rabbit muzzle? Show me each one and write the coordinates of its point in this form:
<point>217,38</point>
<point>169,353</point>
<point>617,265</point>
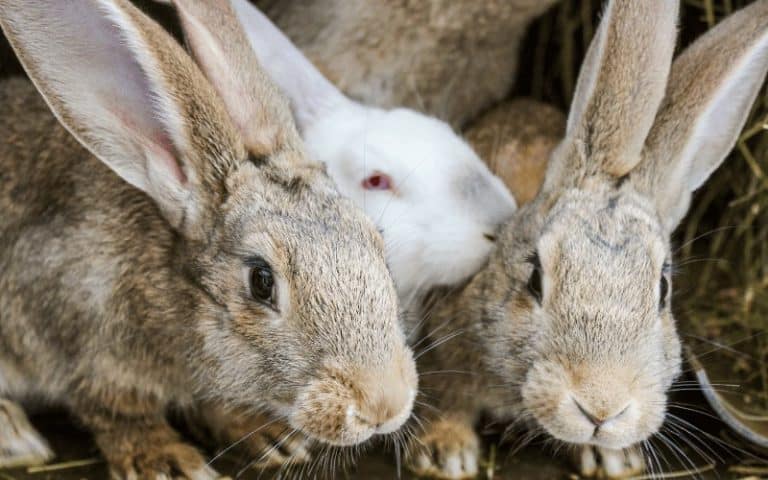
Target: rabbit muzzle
<point>346,405</point>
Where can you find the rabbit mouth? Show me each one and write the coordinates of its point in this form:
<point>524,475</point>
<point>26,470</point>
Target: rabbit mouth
<point>576,422</point>
<point>592,409</point>
<point>347,426</point>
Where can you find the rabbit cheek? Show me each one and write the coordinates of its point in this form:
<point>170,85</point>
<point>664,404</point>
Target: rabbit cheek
<point>545,396</point>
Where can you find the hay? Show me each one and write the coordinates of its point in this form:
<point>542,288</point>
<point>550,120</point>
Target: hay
<point>722,278</point>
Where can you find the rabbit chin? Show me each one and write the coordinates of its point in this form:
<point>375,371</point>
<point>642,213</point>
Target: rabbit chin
<point>605,412</point>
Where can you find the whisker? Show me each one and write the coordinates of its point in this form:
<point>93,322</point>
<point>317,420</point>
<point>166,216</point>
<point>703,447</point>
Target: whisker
<point>241,440</point>
<point>439,342</point>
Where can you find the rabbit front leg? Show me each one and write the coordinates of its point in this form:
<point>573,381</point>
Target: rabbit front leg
<point>20,444</point>
<point>448,447</point>
<point>615,464</point>
<point>145,447</point>
<point>265,441</point>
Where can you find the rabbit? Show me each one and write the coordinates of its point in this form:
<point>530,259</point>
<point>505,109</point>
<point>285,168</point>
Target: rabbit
<point>435,202</point>
<point>569,328</point>
<point>515,139</point>
<point>451,59</point>
<point>156,254</point>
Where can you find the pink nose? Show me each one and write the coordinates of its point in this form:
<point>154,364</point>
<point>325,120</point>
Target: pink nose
<point>387,399</point>
<point>598,419</point>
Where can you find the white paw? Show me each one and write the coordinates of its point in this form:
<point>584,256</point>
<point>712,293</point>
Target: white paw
<point>205,473</point>
<point>20,444</point>
<point>276,450</point>
<point>615,464</point>
<point>446,450</point>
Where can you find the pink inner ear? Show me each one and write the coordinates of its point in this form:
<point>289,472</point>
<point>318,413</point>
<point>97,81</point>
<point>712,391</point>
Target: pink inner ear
<point>160,146</point>
<point>164,152</point>
<point>378,181</point>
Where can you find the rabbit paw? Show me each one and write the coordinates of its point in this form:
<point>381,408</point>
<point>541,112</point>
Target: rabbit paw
<point>447,449</point>
<point>152,453</point>
<point>166,462</point>
<point>274,445</point>
<point>266,442</point>
<point>597,461</point>
<point>20,444</point>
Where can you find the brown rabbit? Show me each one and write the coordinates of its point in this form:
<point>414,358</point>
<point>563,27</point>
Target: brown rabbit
<point>515,139</point>
<point>222,269</point>
<point>569,328</point>
<point>447,58</point>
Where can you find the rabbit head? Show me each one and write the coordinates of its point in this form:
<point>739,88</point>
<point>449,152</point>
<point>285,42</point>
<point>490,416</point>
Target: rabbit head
<point>435,202</point>
<point>575,305</point>
<point>293,307</point>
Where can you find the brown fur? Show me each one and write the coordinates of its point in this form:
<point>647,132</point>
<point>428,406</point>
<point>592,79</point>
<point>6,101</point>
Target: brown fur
<point>269,442</point>
<point>120,304</point>
<point>515,139</point>
<point>451,59</point>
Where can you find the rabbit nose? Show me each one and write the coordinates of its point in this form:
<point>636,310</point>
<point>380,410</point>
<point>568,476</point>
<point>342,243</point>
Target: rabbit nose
<point>389,401</point>
<point>598,419</point>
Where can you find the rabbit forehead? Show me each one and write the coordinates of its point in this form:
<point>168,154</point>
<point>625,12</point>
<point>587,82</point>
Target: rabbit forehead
<point>300,215</point>
<point>303,216</point>
<point>614,237</point>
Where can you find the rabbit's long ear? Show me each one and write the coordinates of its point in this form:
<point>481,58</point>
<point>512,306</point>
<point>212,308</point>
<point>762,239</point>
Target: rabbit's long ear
<point>219,44</point>
<point>130,95</point>
<point>712,86</point>
<point>310,93</point>
<point>619,90</point>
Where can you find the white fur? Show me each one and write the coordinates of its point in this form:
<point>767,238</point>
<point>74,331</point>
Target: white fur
<point>310,93</point>
<point>205,473</point>
<point>20,443</point>
<point>444,201</point>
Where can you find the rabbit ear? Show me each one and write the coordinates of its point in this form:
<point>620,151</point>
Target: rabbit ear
<point>620,87</point>
<point>218,43</point>
<point>712,85</point>
<point>310,93</point>
<point>129,94</point>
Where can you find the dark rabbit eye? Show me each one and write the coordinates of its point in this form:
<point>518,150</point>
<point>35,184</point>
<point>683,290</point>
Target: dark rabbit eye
<point>262,282</point>
<point>378,181</point>
<point>534,281</point>
<point>663,291</point>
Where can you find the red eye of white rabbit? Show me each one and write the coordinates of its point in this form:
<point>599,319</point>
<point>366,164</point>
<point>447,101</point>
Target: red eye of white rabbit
<point>378,181</point>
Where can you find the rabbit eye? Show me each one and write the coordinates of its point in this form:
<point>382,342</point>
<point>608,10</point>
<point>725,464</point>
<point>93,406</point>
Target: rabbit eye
<point>534,281</point>
<point>262,282</point>
<point>663,291</point>
<point>378,181</point>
